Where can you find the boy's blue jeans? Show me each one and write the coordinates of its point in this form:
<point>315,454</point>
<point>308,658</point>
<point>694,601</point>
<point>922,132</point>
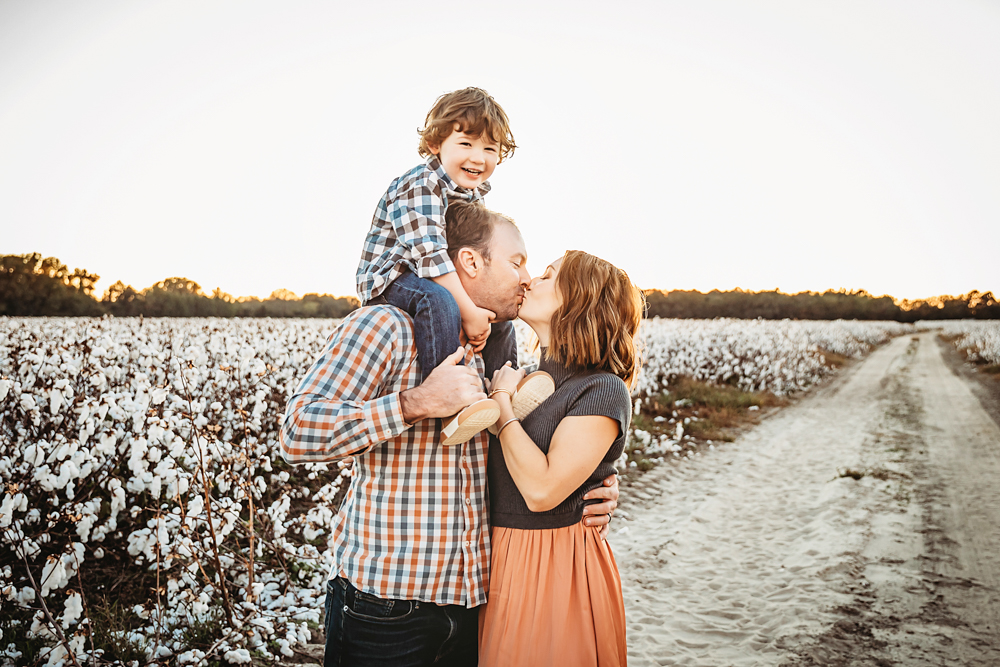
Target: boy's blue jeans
<point>437,323</point>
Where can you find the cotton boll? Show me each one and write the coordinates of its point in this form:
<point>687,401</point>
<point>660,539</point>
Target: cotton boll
<point>55,401</point>
<point>57,656</point>
<point>26,596</point>
<point>74,609</point>
<point>117,498</point>
<point>54,575</point>
<point>159,395</point>
<point>238,656</point>
<point>12,503</point>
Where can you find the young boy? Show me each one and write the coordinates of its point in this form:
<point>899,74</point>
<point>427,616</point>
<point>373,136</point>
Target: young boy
<point>405,259</point>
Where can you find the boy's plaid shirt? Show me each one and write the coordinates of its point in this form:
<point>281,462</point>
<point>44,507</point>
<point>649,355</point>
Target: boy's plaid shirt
<point>408,229</point>
<point>414,524</point>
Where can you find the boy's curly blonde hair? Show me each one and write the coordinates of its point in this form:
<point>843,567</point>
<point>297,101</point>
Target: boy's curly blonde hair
<point>475,112</point>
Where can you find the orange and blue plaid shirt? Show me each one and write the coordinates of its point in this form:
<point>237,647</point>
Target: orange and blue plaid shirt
<point>414,524</point>
<point>408,229</point>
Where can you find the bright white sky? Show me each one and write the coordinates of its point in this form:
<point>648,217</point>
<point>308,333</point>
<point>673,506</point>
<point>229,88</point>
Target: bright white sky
<point>798,145</point>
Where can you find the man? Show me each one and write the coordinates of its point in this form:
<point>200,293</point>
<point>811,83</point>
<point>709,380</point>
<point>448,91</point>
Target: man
<point>411,541</point>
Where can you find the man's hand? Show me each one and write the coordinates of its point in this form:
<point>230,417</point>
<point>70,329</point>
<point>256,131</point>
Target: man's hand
<point>448,389</point>
<point>599,514</point>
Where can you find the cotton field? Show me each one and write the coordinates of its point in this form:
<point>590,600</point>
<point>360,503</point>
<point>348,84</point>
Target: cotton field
<point>979,339</point>
<point>140,465</point>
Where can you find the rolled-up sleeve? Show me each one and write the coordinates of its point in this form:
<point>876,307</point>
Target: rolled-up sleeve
<point>337,410</point>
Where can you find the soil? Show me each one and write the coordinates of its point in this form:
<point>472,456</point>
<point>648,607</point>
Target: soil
<point>858,526</point>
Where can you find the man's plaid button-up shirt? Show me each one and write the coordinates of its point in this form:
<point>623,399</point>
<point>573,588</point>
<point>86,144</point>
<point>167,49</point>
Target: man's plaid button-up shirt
<point>414,524</point>
<point>408,229</point>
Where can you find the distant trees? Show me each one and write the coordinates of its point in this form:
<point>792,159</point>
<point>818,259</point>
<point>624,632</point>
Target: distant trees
<point>32,285</point>
<point>829,305</point>
<point>975,304</point>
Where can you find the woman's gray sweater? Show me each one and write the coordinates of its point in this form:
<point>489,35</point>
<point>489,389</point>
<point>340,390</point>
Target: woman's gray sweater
<point>578,393</point>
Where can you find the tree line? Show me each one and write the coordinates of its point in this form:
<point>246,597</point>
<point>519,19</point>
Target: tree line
<point>33,285</point>
<point>829,305</point>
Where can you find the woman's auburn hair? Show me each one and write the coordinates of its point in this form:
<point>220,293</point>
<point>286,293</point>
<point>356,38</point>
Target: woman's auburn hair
<point>595,327</point>
<point>476,113</point>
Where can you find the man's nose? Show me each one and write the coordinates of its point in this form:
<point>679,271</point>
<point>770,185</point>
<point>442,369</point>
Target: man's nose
<point>526,280</point>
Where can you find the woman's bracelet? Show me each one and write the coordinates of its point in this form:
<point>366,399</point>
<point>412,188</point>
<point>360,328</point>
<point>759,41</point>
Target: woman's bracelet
<point>502,390</point>
<point>512,419</point>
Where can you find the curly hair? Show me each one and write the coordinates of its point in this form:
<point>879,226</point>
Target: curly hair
<point>595,327</point>
<point>476,113</point>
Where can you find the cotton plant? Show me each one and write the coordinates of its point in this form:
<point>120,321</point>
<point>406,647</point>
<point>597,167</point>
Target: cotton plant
<point>151,445</point>
<point>156,441</point>
<point>780,356</point>
<point>979,339</point>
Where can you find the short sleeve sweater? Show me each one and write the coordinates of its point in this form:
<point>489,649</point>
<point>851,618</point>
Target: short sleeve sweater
<point>578,393</point>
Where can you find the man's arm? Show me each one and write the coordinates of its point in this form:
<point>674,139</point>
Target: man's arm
<point>338,411</point>
<point>599,514</point>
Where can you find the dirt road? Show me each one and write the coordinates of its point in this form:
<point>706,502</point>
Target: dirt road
<point>859,526</point>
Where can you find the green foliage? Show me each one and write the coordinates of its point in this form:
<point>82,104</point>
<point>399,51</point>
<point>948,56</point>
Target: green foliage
<point>705,394</point>
<point>829,305</point>
<point>111,625</point>
<point>203,633</point>
<point>33,286</point>
<point>14,623</point>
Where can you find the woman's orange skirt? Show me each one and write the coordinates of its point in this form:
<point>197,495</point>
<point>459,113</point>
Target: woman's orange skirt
<point>555,599</point>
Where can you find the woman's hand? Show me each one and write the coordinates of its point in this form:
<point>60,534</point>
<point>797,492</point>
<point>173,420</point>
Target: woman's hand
<point>505,380</point>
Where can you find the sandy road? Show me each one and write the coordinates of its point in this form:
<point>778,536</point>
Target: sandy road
<point>767,552</point>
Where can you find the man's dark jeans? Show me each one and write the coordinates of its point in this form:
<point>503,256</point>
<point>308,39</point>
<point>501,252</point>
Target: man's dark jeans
<point>365,630</point>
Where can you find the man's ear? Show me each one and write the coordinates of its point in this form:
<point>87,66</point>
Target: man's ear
<point>468,262</point>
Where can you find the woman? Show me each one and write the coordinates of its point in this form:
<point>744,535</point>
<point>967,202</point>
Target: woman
<point>555,594</point>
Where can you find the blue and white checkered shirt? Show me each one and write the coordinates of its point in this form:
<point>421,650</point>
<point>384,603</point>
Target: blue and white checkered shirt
<point>408,229</point>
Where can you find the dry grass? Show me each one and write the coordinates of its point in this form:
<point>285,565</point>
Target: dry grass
<point>714,413</point>
<point>833,360</point>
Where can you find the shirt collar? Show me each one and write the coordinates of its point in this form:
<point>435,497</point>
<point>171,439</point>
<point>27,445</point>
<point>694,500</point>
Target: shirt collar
<point>455,191</point>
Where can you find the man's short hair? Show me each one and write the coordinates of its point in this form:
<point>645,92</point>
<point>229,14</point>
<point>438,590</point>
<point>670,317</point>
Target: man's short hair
<point>470,225</point>
<point>476,113</point>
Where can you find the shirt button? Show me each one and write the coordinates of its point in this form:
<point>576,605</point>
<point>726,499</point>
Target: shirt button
<point>468,501</point>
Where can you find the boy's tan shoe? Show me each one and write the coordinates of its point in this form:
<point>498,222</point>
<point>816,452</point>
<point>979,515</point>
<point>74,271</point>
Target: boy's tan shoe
<point>470,421</point>
<point>531,392</point>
